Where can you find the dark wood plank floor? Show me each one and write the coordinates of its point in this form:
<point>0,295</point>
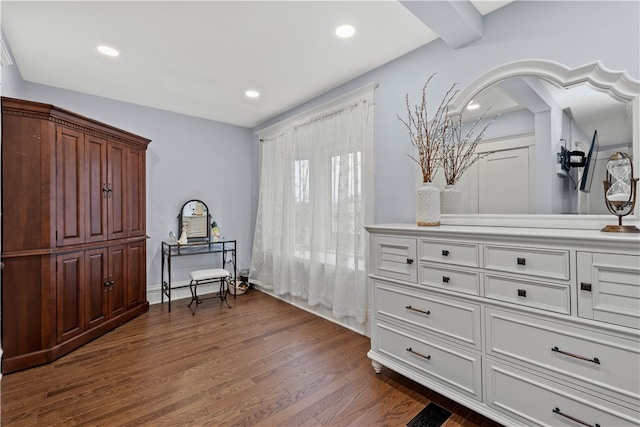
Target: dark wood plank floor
<point>261,363</point>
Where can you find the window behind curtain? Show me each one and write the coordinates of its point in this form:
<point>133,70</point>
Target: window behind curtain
<point>309,240</point>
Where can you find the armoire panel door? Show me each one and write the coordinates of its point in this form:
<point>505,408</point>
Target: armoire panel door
<point>117,278</point>
<point>136,274</point>
<point>70,295</point>
<point>136,199</point>
<point>96,288</point>
<point>116,191</point>
<point>70,184</point>
<point>97,193</point>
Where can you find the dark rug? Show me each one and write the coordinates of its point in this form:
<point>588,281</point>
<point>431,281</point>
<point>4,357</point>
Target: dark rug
<point>431,416</point>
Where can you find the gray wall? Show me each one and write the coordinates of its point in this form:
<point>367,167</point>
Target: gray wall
<point>572,33</point>
<point>188,158</point>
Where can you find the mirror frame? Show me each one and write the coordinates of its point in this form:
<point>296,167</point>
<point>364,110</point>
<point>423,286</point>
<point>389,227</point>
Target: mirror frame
<point>208,216</point>
<point>617,84</point>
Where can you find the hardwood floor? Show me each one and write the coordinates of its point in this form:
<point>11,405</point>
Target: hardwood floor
<point>261,363</point>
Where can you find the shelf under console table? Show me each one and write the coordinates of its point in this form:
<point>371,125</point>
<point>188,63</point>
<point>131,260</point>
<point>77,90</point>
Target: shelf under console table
<point>227,248</point>
<point>525,326</point>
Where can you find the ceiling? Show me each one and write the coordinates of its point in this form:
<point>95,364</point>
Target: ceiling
<point>198,58</point>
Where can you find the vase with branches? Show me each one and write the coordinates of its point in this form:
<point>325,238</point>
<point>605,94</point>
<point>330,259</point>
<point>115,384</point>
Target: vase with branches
<point>428,135</point>
<point>459,154</point>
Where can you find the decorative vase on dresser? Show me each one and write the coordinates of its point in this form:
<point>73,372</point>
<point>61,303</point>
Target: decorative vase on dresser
<point>451,200</point>
<point>428,205</point>
<point>73,231</point>
<point>525,326</point>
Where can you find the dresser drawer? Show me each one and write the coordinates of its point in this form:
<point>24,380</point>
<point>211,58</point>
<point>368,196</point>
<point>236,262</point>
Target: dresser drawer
<point>540,402</point>
<point>449,318</point>
<point>395,258</point>
<point>546,296</point>
<point>609,288</point>
<point>464,254</point>
<point>605,363</point>
<point>458,369</point>
<point>435,275</point>
<point>553,264</point>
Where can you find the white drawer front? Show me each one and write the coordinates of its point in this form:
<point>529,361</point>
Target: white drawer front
<point>447,317</point>
<point>455,368</point>
<point>545,296</point>
<point>539,402</point>
<point>467,282</point>
<point>611,364</point>
<point>609,288</point>
<point>553,264</point>
<point>395,258</point>
<point>464,254</point>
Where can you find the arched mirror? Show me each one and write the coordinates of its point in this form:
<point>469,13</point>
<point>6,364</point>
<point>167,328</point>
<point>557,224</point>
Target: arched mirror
<point>194,220</point>
<point>549,146</point>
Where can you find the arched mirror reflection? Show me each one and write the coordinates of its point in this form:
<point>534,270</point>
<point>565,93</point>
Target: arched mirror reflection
<point>549,146</point>
<point>193,221</point>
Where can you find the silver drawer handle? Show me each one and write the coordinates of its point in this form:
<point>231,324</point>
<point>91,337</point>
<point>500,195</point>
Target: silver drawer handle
<point>577,356</point>
<point>557,411</point>
<point>417,310</point>
<point>410,350</point>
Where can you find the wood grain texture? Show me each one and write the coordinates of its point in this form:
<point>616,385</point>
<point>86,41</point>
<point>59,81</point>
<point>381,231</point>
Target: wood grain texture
<point>261,363</point>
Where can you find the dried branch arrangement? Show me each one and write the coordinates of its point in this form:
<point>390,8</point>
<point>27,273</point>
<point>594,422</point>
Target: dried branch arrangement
<point>458,151</point>
<point>427,134</point>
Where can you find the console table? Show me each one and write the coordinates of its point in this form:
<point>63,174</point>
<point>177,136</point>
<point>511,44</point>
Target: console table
<point>169,250</point>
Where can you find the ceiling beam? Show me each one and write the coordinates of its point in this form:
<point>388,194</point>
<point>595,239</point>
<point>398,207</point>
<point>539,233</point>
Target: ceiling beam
<point>457,22</point>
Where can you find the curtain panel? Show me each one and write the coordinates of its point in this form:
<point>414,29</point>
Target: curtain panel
<point>310,239</point>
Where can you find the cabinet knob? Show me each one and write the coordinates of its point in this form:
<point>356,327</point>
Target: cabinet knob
<point>409,261</point>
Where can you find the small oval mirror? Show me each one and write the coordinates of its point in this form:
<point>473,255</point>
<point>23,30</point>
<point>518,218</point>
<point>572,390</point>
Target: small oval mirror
<point>193,219</point>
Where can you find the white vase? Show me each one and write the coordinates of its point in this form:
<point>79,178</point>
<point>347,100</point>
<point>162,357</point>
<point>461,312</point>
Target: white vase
<point>428,205</point>
<point>451,200</point>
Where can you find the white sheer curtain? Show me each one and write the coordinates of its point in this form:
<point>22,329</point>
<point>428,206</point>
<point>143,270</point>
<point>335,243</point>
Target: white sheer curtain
<point>309,240</point>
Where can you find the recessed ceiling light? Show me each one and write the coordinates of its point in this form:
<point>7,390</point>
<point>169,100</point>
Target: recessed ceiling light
<point>109,51</point>
<point>472,106</point>
<point>252,94</point>
<point>345,31</point>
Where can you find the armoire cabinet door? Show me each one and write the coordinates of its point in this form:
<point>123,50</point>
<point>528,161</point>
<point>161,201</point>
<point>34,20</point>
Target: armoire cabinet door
<point>117,280</point>
<point>97,192</point>
<point>70,295</point>
<point>96,288</point>
<point>71,183</point>
<point>116,191</point>
<point>136,274</point>
<point>136,198</point>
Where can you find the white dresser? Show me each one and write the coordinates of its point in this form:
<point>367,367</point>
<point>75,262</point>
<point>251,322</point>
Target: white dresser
<point>528,326</point>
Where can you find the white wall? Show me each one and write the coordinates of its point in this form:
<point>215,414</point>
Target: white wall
<point>569,32</point>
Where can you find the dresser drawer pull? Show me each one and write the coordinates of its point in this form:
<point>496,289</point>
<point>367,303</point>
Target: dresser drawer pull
<point>522,261</point>
<point>557,411</point>
<point>428,357</point>
<point>409,261</point>
<point>522,293</point>
<point>594,360</point>
<point>585,286</point>
<point>445,279</point>
<point>417,310</point>
<point>445,252</point>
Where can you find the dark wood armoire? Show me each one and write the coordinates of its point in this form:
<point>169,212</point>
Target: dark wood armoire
<point>73,231</point>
